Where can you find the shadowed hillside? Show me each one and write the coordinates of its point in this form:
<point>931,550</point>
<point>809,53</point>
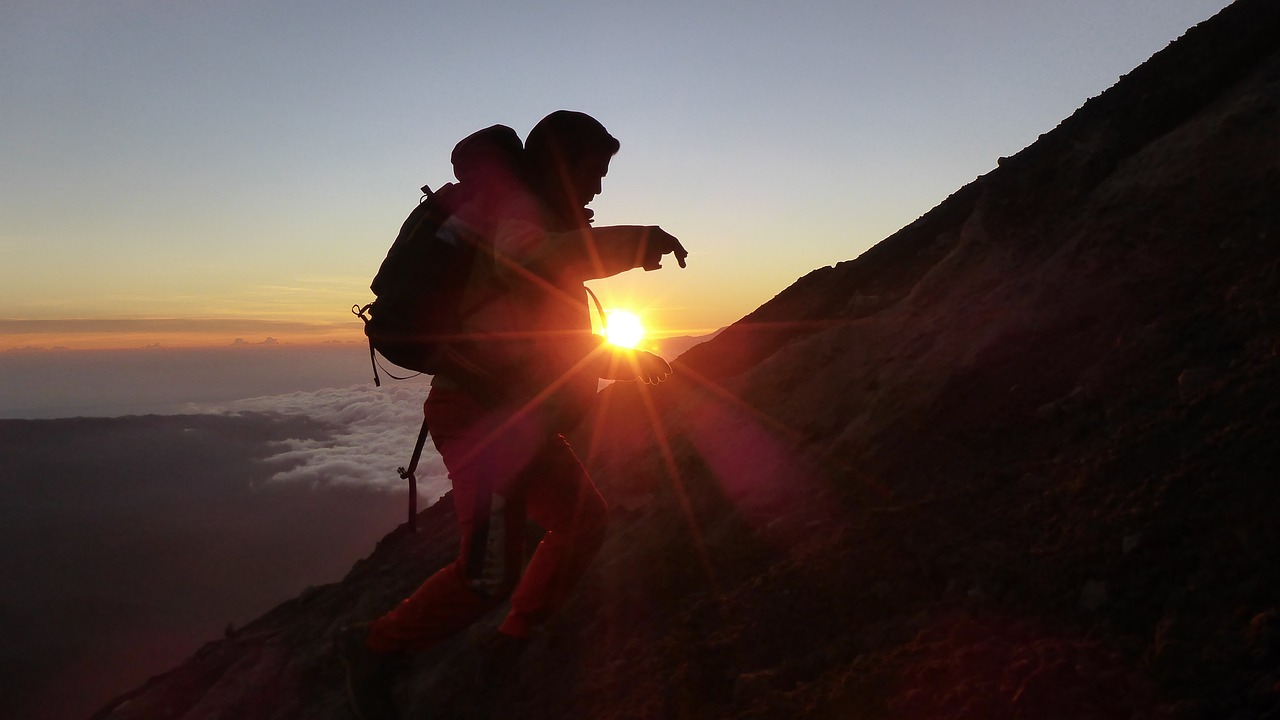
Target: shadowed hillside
<point>1016,461</point>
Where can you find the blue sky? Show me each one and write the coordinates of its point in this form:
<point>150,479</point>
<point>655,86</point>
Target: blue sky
<point>249,162</point>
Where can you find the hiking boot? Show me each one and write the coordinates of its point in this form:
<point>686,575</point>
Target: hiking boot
<point>368,675</point>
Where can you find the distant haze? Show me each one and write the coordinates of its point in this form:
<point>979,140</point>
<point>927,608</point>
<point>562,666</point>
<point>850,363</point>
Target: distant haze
<point>162,381</point>
<point>167,381</point>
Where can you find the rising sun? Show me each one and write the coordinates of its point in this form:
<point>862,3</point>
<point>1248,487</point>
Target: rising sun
<point>623,328</point>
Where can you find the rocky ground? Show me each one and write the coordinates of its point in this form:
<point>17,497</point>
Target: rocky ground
<point>1016,461</point>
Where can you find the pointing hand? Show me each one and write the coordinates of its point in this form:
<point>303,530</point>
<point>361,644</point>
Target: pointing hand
<point>660,243</point>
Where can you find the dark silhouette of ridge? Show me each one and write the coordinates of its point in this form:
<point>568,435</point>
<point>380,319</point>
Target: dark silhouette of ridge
<point>1015,461</point>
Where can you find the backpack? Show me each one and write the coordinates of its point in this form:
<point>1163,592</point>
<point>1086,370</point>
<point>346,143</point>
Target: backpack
<point>416,315</point>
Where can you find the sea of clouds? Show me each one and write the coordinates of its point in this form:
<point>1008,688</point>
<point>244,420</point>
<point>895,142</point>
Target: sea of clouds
<point>371,430</point>
<point>373,434</point>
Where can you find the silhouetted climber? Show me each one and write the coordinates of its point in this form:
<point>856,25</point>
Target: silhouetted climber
<point>526,372</point>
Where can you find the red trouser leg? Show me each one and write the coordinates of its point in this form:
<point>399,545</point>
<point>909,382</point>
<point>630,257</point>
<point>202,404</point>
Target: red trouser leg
<point>561,498</point>
<point>440,607</point>
<point>483,448</point>
<point>469,440</point>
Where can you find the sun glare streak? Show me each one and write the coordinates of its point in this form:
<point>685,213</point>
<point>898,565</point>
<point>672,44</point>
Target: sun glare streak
<point>623,328</point>
<point>677,481</point>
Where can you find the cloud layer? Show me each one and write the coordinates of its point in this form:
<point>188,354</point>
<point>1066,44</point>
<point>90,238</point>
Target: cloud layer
<point>374,432</point>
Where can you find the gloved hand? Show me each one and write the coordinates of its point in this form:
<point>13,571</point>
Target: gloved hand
<point>659,243</point>
<point>649,367</point>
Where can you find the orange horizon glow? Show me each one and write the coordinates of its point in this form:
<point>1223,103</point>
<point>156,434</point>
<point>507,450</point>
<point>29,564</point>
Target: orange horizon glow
<point>137,334</point>
<point>177,333</point>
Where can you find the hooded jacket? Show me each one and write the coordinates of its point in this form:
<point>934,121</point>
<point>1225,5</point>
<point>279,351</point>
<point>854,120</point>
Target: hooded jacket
<point>527,317</point>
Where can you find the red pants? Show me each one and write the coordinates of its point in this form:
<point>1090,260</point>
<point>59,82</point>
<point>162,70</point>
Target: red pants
<point>532,472</point>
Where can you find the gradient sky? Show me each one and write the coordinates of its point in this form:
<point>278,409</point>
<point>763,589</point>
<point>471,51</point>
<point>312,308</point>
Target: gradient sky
<point>180,172</point>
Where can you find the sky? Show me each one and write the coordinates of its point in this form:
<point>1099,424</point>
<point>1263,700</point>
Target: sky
<point>196,174</point>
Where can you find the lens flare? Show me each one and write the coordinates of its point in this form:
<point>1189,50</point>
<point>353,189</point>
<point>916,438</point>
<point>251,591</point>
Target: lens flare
<point>623,328</point>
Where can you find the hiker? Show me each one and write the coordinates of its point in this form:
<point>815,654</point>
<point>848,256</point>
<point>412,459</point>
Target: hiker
<point>526,373</point>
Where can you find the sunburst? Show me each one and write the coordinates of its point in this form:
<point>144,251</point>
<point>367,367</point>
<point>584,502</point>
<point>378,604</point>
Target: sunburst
<point>623,328</point>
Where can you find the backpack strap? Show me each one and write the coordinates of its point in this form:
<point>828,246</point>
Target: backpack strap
<point>599,307</point>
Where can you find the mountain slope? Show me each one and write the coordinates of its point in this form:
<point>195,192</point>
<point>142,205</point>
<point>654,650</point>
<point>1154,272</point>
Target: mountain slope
<point>1015,461</point>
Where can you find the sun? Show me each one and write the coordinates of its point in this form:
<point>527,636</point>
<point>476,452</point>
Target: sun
<point>623,328</point>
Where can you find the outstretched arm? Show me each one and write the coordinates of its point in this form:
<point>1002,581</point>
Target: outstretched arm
<point>589,253</point>
<point>622,247</point>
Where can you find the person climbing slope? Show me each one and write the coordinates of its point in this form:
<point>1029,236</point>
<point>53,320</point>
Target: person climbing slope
<point>524,373</point>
